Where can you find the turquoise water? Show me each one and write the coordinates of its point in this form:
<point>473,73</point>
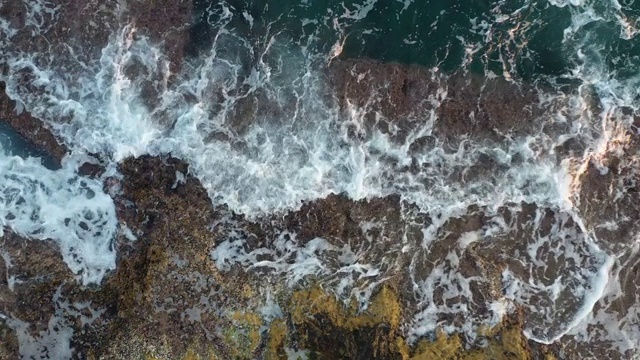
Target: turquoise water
<point>13,144</point>
<point>437,32</point>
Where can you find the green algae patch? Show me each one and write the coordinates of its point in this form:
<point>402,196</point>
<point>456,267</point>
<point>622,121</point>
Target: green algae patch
<point>383,308</point>
<point>138,349</point>
<point>507,342</point>
<point>189,355</point>
<point>192,354</point>
<point>244,336</point>
<point>331,330</point>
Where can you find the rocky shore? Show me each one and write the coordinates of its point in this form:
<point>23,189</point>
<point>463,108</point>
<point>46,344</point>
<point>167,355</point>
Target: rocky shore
<point>167,299</point>
<point>171,298</point>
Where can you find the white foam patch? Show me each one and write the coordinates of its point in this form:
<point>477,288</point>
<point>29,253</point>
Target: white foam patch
<point>52,343</point>
<point>61,206</point>
<point>444,292</point>
<point>292,259</point>
<point>296,354</point>
<point>12,280</point>
<point>563,3</point>
<point>467,239</point>
<point>55,341</point>
<point>614,318</point>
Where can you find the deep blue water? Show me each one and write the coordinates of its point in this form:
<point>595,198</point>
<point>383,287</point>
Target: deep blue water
<point>16,145</point>
<point>437,32</point>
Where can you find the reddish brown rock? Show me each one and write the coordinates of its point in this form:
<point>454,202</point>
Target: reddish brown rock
<point>168,22</point>
<point>465,104</point>
<point>609,196</point>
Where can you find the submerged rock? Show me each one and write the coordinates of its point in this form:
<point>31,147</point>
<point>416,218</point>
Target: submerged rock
<point>460,105</point>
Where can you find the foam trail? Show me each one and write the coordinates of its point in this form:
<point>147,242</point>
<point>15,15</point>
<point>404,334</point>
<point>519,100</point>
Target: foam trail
<point>241,153</point>
<point>54,342</point>
<point>598,283</point>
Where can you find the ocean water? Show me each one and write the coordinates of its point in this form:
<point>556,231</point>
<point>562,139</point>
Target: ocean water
<point>578,58</point>
<point>16,145</point>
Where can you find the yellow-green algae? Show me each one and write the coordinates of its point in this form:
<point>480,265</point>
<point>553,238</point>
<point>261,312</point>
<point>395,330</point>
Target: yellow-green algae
<point>384,308</point>
<point>319,323</point>
<point>332,330</point>
<point>275,344</point>
<point>315,320</point>
<point>244,338</point>
<point>505,341</point>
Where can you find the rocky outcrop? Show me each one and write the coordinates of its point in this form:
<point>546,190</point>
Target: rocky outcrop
<point>167,299</point>
<point>465,105</point>
<point>31,272</point>
<point>609,195</point>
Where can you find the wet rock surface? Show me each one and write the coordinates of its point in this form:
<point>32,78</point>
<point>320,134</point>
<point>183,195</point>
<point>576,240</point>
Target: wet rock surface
<point>613,175</point>
<point>75,46</point>
<point>167,299</point>
<point>461,105</point>
<point>185,286</point>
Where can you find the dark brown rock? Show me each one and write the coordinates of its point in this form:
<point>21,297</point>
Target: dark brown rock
<point>33,272</point>
<point>609,193</point>
<point>91,170</point>
<point>29,127</point>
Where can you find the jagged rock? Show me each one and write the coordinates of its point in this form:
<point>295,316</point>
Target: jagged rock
<point>154,291</point>
<point>609,196</point>
<point>81,43</point>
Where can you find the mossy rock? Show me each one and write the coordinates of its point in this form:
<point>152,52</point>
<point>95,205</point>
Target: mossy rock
<point>332,331</point>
